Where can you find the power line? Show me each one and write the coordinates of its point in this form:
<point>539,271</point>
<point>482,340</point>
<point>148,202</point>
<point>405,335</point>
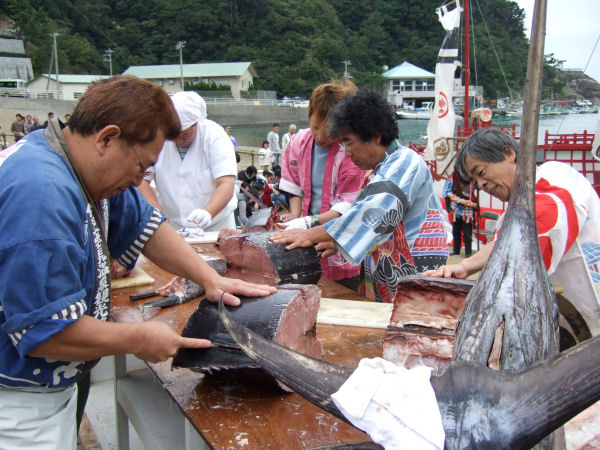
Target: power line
<point>346,63</point>
<point>53,57</point>
<point>108,57</point>
<point>179,46</point>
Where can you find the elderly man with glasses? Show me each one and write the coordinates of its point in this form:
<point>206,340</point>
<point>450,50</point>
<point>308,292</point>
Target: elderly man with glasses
<point>195,173</point>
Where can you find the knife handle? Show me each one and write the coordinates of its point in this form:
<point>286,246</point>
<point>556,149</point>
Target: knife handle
<point>171,300</point>
<point>143,295</point>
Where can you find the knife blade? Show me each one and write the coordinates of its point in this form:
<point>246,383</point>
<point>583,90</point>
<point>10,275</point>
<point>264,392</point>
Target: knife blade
<point>171,300</point>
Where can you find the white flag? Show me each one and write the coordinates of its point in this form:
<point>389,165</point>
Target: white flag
<point>441,124</point>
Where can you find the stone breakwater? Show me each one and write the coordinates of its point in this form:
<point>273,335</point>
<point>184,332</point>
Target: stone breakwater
<point>233,114</point>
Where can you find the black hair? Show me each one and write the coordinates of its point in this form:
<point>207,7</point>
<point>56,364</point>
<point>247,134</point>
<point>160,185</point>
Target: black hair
<point>367,114</point>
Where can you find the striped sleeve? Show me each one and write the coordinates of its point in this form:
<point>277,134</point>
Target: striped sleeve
<point>71,312</point>
<point>134,250</point>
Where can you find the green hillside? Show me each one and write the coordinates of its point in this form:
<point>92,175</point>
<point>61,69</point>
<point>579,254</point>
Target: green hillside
<point>293,45</point>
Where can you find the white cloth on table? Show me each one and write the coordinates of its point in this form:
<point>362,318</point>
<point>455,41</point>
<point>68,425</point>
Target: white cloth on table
<point>395,406</point>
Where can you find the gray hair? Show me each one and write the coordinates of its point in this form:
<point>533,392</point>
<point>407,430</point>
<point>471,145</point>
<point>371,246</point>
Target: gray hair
<point>488,144</point>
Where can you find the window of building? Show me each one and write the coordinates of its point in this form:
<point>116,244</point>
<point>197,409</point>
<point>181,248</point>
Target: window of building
<point>401,85</point>
<point>171,81</point>
<point>160,83</point>
<point>77,94</point>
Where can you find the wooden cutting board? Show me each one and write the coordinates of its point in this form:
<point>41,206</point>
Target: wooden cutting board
<point>354,313</point>
<point>137,277</point>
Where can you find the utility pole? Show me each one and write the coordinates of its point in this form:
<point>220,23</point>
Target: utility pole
<point>108,57</point>
<point>54,57</point>
<point>179,46</point>
<point>346,63</point>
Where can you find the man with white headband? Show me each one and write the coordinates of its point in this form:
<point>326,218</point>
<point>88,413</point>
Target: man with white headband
<point>195,173</point>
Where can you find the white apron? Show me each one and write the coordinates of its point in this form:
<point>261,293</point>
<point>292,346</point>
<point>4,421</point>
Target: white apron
<point>38,420</point>
<point>189,184</point>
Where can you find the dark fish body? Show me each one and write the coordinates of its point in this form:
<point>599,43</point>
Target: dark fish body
<point>288,317</point>
<point>254,257</point>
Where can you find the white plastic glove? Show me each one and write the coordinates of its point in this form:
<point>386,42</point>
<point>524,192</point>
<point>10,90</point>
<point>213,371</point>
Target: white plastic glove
<point>302,223</point>
<point>200,217</point>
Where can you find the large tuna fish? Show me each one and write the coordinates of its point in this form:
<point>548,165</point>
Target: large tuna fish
<point>511,317</point>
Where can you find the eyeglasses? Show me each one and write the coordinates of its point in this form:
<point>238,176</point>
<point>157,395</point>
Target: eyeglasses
<point>142,165</point>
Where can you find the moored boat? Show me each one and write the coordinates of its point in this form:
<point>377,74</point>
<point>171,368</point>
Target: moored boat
<point>422,113</point>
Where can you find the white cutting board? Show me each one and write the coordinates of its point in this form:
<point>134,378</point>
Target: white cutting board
<point>208,237</point>
<point>354,313</point>
<point>137,277</point>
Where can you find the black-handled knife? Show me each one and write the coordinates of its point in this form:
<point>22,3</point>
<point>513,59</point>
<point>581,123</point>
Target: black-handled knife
<point>143,295</point>
<point>171,300</point>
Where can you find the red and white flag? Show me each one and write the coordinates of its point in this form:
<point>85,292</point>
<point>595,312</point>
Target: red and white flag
<point>443,119</point>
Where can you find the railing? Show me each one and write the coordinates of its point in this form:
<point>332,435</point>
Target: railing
<point>40,94</point>
<point>573,149</point>
<point>569,141</point>
<point>252,152</point>
<point>3,141</point>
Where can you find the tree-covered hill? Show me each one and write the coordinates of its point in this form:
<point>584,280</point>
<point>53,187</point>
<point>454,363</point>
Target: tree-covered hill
<point>293,44</point>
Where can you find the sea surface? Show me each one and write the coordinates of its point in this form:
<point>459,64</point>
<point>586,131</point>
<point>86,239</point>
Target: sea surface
<point>416,130</point>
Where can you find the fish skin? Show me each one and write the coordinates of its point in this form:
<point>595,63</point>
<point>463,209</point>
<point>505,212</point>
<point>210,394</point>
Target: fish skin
<point>264,314</point>
<point>301,265</point>
<point>263,219</point>
<point>513,289</point>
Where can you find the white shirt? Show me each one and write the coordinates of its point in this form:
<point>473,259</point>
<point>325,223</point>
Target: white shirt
<point>184,185</point>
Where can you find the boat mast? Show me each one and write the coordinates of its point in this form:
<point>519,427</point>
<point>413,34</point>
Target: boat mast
<point>466,64</point>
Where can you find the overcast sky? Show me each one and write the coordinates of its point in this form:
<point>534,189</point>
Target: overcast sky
<point>572,30</point>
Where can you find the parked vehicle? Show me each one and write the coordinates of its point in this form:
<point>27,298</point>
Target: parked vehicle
<point>13,88</point>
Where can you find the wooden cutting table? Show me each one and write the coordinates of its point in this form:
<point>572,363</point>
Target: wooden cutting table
<point>227,411</point>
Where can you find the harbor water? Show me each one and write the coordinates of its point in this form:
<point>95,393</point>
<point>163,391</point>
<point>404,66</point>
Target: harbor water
<point>416,130</point>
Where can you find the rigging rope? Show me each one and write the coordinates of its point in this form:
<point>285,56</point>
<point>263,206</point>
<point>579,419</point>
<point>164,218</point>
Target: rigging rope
<point>494,48</point>
<point>474,50</point>
<point>591,54</point>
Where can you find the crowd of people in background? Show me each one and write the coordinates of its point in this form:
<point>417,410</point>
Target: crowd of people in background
<point>24,125</point>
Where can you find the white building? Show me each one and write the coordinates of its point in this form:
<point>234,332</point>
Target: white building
<point>408,84</point>
<point>68,87</point>
<point>238,75</point>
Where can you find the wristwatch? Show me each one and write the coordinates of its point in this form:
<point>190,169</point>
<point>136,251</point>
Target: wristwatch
<point>314,221</point>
